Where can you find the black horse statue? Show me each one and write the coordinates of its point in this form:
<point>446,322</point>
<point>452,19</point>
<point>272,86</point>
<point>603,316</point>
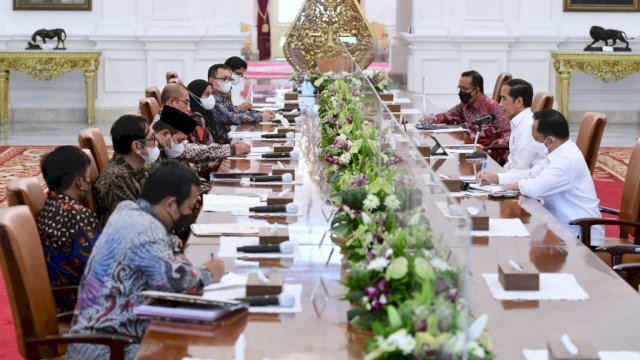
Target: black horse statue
<point>59,34</point>
<point>599,33</point>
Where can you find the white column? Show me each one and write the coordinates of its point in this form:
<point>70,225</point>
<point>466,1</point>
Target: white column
<point>224,17</point>
<point>171,17</point>
<point>117,18</point>
<point>538,17</point>
<point>398,56</point>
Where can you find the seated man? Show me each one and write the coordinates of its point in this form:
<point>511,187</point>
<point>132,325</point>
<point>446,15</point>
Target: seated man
<point>238,68</point>
<point>224,113</point>
<point>515,98</point>
<point>562,180</point>
<point>67,229</point>
<point>475,104</point>
<point>137,252</point>
<point>134,144</point>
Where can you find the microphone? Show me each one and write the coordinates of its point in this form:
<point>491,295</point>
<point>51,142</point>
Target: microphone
<point>283,300</point>
<point>289,135</point>
<point>274,155</point>
<point>286,177</point>
<point>487,118</point>
<point>290,208</point>
<point>283,248</point>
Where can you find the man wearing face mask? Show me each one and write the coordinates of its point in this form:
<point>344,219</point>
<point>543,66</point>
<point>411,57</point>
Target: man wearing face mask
<point>515,98</point>
<point>134,144</point>
<point>225,112</point>
<point>137,252</point>
<point>475,104</point>
<point>238,68</point>
<point>67,229</point>
<point>562,180</point>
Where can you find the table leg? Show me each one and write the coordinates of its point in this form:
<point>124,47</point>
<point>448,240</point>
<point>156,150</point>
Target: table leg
<point>563,78</point>
<point>4,96</point>
<point>90,92</point>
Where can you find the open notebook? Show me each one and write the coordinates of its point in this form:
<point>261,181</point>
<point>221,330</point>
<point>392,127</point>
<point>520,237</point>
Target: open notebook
<point>181,307</point>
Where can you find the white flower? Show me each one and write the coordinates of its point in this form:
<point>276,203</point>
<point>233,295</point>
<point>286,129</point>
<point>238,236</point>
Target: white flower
<point>371,202</point>
<point>402,340</point>
<point>342,138</point>
<point>388,253</point>
<point>439,264</point>
<point>345,158</point>
<point>318,82</point>
<point>415,219</point>
<point>378,264</point>
<point>366,219</point>
<point>382,299</point>
<point>392,202</point>
<point>476,350</point>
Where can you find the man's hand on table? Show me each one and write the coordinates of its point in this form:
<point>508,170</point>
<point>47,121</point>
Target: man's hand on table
<point>216,268</point>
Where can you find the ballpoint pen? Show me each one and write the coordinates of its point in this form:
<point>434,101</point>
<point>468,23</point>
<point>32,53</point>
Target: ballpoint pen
<point>485,162</point>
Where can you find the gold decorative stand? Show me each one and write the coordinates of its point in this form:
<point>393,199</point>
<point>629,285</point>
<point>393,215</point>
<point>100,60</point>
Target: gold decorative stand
<point>606,67</point>
<point>48,65</point>
<point>320,27</point>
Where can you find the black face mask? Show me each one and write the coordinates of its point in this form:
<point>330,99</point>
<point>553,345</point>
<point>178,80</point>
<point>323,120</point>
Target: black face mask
<point>465,97</point>
<point>182,222</point>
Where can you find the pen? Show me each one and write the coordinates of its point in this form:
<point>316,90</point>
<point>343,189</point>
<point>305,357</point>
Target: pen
<point>485,162</point>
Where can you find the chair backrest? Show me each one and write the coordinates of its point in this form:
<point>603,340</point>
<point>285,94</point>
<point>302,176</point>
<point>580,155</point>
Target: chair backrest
<point>25,276</point>
<point>175,81</point>
<point>542,101</point>
<point>589,137</point>
<point>148,108</point>
<point>630,204</point>
<point>26,191</point>
<point>153,92</point>
<point>92,139</point>
<point>502,77</point>
<point>171,75</point>
<point>377,29</point>
<point>93,176</point>
<point>245,27</point>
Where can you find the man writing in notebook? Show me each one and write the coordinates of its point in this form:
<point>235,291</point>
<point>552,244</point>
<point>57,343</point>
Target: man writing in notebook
<point>136,252</point>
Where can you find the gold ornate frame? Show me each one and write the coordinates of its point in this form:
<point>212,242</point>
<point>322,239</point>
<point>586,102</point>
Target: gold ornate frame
<point>603,5</point>
<point>50,5</point>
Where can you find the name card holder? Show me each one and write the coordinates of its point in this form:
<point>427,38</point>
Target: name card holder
<point>513,280</point>
<point>255,287</point>
<point>267,238</point>
<point>586,351</point>
<point>290,96</point>
<point>386,97</point>
<point>424,150</point>
<point>394,108</point>
<point>480,221</point>
<point>281,148</point>
<point>286,170</point>
<point>274,199</point>
<point>452,184</point>
<point>284,130</point>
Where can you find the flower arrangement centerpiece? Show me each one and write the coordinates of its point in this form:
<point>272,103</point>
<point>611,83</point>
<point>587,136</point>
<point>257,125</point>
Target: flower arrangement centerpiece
<point>379,79</point>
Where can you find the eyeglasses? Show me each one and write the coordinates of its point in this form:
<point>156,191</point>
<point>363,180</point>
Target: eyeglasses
<point>225,80</point>
<point>186,102</point>
<point>240,76</point>
<point>144,141</point>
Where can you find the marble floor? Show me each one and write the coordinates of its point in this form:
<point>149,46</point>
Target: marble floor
<point>65,133</point>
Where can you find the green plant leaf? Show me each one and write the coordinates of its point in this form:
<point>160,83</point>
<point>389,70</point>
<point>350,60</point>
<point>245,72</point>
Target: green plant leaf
<point>398,268</point>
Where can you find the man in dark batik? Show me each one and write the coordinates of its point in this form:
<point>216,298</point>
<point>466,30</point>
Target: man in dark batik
<point>67,229</point>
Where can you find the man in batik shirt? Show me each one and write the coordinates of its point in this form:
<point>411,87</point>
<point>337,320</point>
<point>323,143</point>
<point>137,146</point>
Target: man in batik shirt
<point>67,229</point>
<point>137,252</point>
<point>475,104</point>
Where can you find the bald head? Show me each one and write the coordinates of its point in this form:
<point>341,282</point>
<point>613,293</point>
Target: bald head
<point>177,96</point>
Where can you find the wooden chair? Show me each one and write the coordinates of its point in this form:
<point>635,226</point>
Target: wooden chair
<point>153,92</point>
<point>171,75</point>
<point>93,176</point>
<point>92,139</point>
<point>148,108</point>
<point>26,191</point>
<point>542,101</point>
<point>247,44</point>
<point>628,217</point>
<point>502,77</point>
<point>589,137</point>
<point>30,293</point>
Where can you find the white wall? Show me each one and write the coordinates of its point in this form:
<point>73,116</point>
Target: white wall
<point>492,36</point>
<point>140,41</point>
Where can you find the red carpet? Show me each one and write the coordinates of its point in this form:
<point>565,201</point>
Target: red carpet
<point>282,69</point>
<point>23,161</point>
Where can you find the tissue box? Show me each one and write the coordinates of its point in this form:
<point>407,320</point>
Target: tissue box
<point>394,108</point>
<point>425,151</point>
<point>273,199</point>
<point>257,288</point>
<point>586,351</point>
<point>280,148</point>
<point>284,130</point>
<point>480,221</point>
<point>386,97</point>
<point>291,96</point>
<point>290,105</point>
<point>266,238</point>
<point>276,170</point>
<point>526,280</point>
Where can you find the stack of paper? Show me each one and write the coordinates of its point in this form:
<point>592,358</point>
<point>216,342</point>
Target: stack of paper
<point>231,229</point>
<point>213,202</point>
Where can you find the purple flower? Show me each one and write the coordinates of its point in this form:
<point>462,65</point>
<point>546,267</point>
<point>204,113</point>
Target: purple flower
<point>359,181</point>
<point>371,292</point>
<point>453,294</point>
<point>381,284</point>
<point>396,160</point>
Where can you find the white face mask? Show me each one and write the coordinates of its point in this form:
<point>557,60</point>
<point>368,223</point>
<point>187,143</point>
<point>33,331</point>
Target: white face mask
<point>152,154</point>
<point>224,87</point>
<point>208,103</point>
<point>237,80</point>
<point>541,149</point>
<point>175,150</point>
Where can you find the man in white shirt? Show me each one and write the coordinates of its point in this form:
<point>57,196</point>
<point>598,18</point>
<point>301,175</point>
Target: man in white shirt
<point>562,180</point>
<point>515,98</point>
